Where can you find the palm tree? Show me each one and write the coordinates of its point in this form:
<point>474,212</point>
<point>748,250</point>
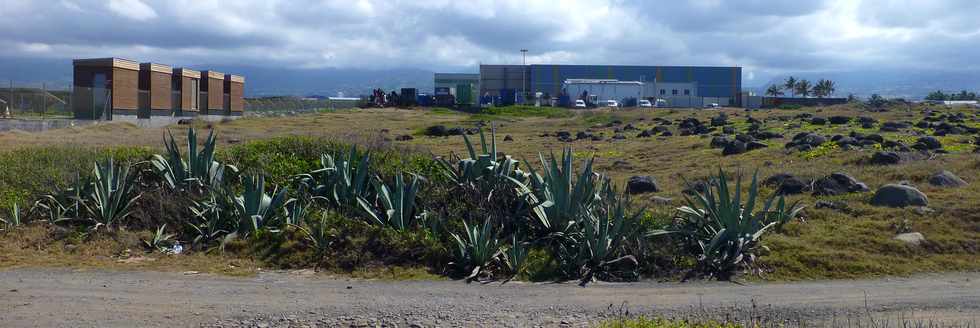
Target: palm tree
<point>774,91</point>
<point>790,85</point>
<point>823,88</point>
<point>803,88</point>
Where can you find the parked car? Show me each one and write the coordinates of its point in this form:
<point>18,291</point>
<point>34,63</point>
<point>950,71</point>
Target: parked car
<point>580,103</point>
<point>645,103</point>
<point>612,103</point>
<point>661,103</point>
<point>712,105</point>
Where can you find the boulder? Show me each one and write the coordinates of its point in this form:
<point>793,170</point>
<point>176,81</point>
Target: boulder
<point>720,142</point>
<point>437,131</point>
<point>899,195</point>
<point>818,121</point>
<point>838,184</point>
<point>728,130</point>
<point>753,145</point>
<point>839,120</point>
<point>734,148</point>
<point>508,138</point>
<point>927,143</point>
<point>947,179</point>
<point>786,184</point>
<point>885,158</point>
<point>641,184</point>
<point>911,238</point>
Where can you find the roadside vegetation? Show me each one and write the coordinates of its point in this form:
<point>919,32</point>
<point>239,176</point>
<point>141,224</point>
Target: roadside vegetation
<point>479,206</point>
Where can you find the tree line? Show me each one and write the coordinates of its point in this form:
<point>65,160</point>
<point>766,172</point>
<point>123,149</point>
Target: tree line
<point>938,95</point>
<point>803,88</point>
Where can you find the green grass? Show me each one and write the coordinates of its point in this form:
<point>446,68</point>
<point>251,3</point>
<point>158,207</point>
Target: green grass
<point>525,111</point>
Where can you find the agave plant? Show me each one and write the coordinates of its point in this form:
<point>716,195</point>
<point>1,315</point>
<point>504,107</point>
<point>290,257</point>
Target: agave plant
<point>516,255</point>
<point>64,204</point>
<point>395,208</point>
<point>319,236</point>
<point>299,208</point>
<point>199,169</point>
<point>478,251</point>
<point>341,182</point>
<point>113,194</point>
<point>560,198</point>
<point>14,217</point>
<point>161,239</point>
<point>726,230</point>
<point>214,218</point>
<point>600,246</point>
<point>255,209</point>
<point>481,167</point>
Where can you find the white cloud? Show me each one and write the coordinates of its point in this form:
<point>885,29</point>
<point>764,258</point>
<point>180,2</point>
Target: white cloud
<point>132,9</point>
<point>767,37</point>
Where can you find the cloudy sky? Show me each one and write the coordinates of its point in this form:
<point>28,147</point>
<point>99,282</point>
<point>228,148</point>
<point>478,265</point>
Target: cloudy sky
<point>766,37</point>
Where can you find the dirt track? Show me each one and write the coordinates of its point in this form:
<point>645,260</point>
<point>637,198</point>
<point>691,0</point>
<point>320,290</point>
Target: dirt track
<point>64,298</point>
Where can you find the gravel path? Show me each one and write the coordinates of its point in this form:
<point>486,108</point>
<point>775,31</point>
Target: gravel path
<point>65,298</point>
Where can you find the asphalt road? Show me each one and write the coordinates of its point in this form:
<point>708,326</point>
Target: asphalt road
<point>66,298</point>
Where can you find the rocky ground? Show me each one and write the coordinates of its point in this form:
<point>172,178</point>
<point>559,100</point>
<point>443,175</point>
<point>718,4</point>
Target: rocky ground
<point>66,298</point>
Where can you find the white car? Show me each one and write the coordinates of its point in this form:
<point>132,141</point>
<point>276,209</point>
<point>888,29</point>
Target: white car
<point>645,103</point>
<point>580,103</point>
<point>661,103</point>
<point>612,103</point>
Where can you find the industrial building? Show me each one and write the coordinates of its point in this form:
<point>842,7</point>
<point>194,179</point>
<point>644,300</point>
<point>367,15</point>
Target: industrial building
<point>116,88</point>
<point>679,86</point>
<point>462,86</point>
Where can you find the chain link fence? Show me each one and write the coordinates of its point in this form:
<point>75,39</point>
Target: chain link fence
<point>27,100</point>
<point>295,105</point>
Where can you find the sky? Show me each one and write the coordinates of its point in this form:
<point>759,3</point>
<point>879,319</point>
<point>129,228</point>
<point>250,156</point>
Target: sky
<point>768,38</point>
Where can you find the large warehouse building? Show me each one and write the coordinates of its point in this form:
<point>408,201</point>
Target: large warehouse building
<point>680,86</point>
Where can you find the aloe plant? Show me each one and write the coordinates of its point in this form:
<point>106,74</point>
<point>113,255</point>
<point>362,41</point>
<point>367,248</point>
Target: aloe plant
<point>394,207</point>
<point>726,230</point>
<point>478,251</point>
<point>214,218</point>
<point>199,169</point>
<point>256,209</point>
<point>113,194</point>
<point>481,167</point>
<point>342,181</point>
<point>64,204</point>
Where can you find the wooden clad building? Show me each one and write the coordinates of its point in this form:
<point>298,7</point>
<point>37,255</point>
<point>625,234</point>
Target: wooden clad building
<point>186,91</point>
<point>213,83</point>
<point>105,86</point>
<point>235,93</point>
<point>155,84</point>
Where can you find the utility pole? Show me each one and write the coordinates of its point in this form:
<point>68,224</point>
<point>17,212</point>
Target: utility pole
<point>524,74</point>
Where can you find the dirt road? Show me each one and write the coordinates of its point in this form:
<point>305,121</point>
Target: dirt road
<point>65,298</point>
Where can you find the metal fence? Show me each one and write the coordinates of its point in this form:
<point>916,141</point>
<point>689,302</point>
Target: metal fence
<point>293,104</point>
<point>18,99</point>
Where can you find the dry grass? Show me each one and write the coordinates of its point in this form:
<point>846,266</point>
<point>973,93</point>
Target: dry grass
<point>831,244</point>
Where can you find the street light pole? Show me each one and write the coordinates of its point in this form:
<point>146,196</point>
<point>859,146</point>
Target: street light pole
<point>524,73</point>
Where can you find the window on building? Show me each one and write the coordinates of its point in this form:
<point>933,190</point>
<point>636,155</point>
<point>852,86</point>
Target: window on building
<point>674,92</point>
<point>663,92</point>
<point>687,92</point>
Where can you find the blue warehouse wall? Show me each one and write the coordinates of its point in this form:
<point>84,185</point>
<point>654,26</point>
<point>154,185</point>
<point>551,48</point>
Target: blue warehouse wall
<point>712,81</point>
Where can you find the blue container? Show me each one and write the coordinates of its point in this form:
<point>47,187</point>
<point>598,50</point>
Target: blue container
<point>424,100</point>
<point>508,97</point>
<point>564,101</point>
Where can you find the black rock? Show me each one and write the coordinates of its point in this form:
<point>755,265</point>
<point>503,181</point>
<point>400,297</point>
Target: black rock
<point>734,148</point>
<point>456,131</point>
<point>927,143</point>
<point>818,121</point>
<point>753,145</point>
<point>786,184</point>
<point>437,131</point>
<point>947,179</point>
<point>839,120</point>
<point>404,137</point>
<point>641,184</point>
<point>899,195</point>
<point>885,158</point>
<point>837,184</point>
<point>728,130</point>
<point>720,142</point>
<point>508,138</point>
<point>619,136</point>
